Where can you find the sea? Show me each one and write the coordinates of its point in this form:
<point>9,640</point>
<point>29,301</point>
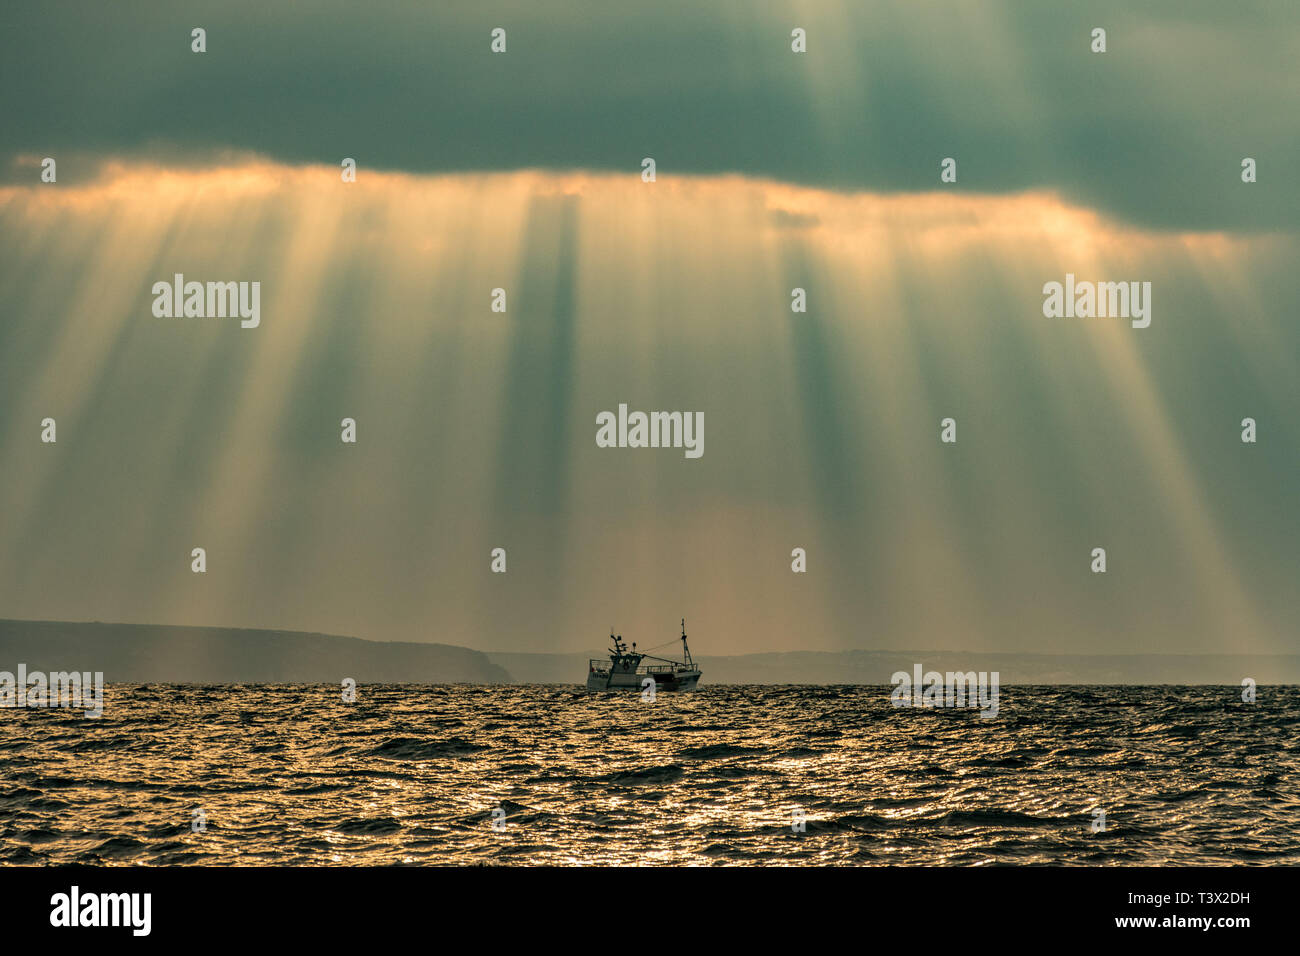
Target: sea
<point>727,775</point>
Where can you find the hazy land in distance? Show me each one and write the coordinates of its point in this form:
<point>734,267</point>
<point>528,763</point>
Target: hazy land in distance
<point>150,653</point>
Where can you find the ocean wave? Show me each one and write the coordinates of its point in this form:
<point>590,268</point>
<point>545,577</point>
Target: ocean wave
<point>727,775</point>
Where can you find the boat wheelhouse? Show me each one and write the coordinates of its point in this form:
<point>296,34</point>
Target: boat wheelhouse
<point>624,670</point>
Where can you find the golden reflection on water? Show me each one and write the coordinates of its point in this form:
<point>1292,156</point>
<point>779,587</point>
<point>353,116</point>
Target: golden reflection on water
<point>412,774</point>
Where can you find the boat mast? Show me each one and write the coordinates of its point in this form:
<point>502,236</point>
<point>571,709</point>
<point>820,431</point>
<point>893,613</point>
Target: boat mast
<point>685,650</point>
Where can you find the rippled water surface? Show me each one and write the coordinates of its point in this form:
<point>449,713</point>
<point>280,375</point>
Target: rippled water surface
<point>411,774</point>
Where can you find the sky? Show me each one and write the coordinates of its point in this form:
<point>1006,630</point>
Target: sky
<point>522,170</point>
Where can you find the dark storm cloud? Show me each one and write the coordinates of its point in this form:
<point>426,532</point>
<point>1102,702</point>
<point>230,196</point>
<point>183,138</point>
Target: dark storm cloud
<point>1153,131</point>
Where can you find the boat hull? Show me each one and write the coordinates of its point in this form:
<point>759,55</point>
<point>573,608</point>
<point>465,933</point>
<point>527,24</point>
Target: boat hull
<point>598,681</point>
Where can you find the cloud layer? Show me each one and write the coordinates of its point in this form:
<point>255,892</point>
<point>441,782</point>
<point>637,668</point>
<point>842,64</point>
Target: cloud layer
<point>1153,131</point>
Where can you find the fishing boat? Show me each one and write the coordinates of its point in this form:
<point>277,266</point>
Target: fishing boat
<point>624,670</point>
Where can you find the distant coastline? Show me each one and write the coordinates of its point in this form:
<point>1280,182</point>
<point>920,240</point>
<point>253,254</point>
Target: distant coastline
<point>877,667</point>
<point>155,653</point>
